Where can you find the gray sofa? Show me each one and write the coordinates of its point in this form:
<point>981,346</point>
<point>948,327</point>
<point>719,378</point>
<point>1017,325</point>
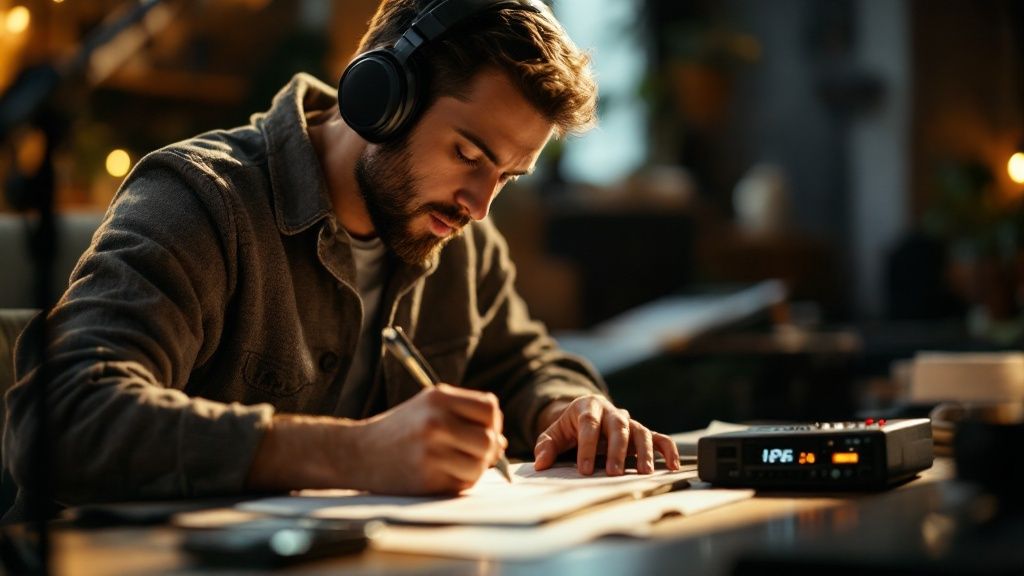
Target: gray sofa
<point>74,233</point>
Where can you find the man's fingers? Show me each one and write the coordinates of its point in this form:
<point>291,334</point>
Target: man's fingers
<point>643,445</point>
<point>466,436</point>
<point>473,405</point>
<point>545,452</point>
<point>560,436</point>
<point>668,449</point>
<point>456,464</point>
<point>616,429</point>
<point>587,423</point>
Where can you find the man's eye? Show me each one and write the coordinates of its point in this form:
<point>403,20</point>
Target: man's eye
<point>463,158</point>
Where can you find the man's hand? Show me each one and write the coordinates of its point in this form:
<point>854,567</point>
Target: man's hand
<point>593,425</point>
<point>440,441</point>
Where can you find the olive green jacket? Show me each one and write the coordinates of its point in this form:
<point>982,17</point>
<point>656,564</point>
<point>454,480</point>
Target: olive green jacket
<point>220,289</point>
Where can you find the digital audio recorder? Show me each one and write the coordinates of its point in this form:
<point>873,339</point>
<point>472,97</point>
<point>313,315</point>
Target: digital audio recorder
<point>867,454</point>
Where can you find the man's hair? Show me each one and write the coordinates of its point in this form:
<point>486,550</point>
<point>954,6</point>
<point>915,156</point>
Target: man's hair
<point>531,48</point>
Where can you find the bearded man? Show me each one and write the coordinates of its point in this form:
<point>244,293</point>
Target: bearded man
<point>222,332</point>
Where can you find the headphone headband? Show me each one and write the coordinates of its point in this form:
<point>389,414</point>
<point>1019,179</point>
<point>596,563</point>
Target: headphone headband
<point>441,16</point>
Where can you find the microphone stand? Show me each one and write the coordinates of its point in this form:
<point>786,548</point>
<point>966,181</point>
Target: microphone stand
<point>30,102</point>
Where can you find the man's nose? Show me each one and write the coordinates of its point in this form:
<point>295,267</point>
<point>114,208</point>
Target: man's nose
<point>476,197</point>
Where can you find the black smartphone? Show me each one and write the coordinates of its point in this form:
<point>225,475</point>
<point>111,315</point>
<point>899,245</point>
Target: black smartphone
<point>274,542</point>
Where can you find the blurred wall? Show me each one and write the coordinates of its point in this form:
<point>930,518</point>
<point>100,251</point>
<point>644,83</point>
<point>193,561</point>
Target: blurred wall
<point>781,114</point>
<point>879,153</point>
<point>864,105</point>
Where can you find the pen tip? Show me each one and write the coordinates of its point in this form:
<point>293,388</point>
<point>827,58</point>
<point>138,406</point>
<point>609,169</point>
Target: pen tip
<point>502,466</point>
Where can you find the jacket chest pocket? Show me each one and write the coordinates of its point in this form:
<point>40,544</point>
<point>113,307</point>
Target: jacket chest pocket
<point>272,380</point>
<point>450,358</point>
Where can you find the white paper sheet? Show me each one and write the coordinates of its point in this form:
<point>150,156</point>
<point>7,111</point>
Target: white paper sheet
<point>533,498</point>
<point>633,518</point>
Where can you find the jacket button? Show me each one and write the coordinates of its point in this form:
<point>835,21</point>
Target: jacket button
<point>328,361</point>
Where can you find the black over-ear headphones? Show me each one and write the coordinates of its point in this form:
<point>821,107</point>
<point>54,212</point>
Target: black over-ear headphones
<point>380,92</point>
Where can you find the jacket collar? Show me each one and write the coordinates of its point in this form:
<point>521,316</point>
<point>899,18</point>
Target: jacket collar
<point>297,179</point>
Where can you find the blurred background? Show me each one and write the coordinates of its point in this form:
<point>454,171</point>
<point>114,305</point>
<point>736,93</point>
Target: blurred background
<point>857,154</point>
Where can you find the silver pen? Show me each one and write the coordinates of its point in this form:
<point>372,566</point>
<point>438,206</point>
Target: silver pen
<point>399,344</point>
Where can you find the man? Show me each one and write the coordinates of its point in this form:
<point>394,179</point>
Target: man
<point>221,334</point>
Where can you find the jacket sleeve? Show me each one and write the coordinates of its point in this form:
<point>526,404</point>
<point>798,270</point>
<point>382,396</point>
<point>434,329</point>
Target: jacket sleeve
<point>145,305</point>
<point>516,358</point>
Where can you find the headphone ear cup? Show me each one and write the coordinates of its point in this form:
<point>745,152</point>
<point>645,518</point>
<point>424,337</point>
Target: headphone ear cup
<point>377,95</point>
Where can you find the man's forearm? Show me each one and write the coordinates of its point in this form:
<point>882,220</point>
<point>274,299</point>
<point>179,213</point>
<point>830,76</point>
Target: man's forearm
<point>300,451</point>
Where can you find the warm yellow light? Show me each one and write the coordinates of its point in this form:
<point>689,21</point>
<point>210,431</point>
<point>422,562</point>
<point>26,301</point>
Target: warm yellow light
<point>30,150</point>
<point>1016,167</point>
<point>58,1</point>
<point>17,20</point>
<point>845,458</point>
<point>118,163</point>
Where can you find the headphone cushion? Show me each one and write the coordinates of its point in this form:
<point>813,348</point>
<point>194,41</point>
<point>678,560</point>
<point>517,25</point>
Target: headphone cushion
<point>376,95</point>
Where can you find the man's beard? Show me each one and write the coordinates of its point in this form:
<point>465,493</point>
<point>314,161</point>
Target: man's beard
<point>389,190</point>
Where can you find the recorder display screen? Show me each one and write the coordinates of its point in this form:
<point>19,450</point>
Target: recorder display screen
<point>784,454</point>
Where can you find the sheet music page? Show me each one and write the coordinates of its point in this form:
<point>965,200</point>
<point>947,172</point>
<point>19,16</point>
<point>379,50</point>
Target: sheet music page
<point>562,474</point>
<point>532,498</point>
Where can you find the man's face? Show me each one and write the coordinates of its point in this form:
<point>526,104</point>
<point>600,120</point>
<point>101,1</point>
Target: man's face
<point>421,191</point>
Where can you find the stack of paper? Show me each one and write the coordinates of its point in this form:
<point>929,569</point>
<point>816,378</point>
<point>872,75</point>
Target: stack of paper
<point>967,377</point>
<point>539,513</point>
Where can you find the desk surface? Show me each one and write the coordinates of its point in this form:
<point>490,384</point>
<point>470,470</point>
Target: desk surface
<point>707,543</point>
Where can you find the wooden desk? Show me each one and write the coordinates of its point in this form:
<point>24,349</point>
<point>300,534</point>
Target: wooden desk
<point>706,543</point>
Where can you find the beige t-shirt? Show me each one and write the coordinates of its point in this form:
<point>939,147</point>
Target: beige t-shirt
<point>370,258</point>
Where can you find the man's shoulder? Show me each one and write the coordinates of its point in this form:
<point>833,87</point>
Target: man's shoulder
<point>211,167</point>
<point>217,152</point>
